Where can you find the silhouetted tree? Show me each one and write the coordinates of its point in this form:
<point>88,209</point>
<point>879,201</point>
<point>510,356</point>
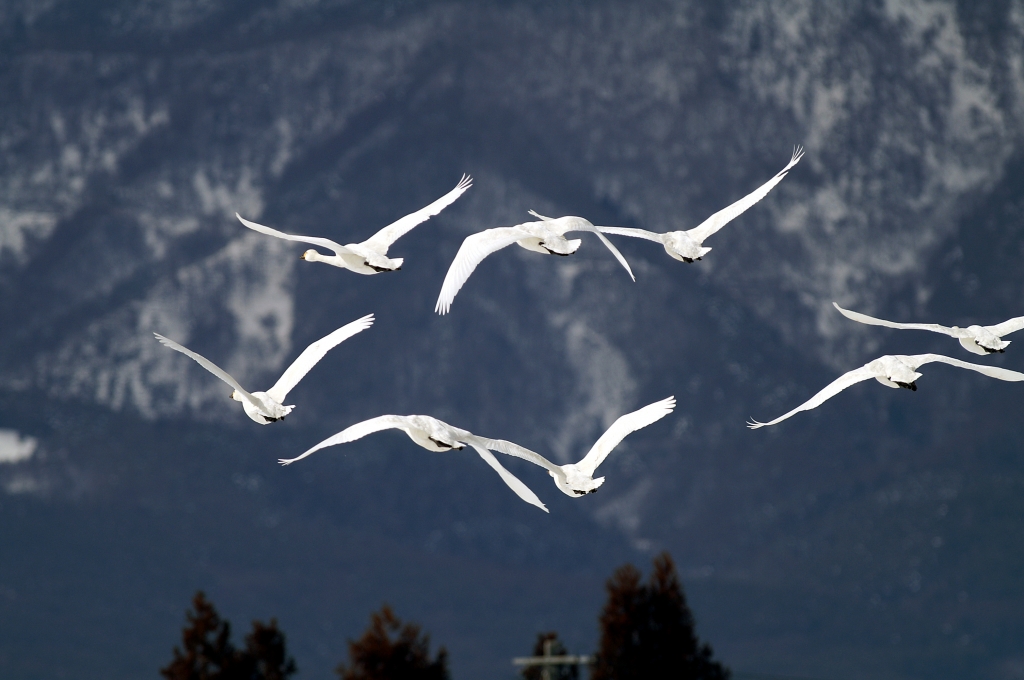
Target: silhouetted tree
<point>390,651</point>
<point>647,630</point>
<point>209,655</point>
<point>556,648</point>
<point>265,657</point>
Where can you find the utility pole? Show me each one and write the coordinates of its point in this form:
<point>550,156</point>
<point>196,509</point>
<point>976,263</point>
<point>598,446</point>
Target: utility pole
<point>547,661</point>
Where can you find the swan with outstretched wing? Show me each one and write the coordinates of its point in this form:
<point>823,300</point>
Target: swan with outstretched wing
<point>546,236</point>
<point>977,339</point>
<point>268,407</point>
<point>577,479</point>
<point>893,370</point>
<point>433,435</point>
<point>370,256</point>
<point>687,246</point>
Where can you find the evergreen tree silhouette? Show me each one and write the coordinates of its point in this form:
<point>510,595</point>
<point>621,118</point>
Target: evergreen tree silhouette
<point>265,657</point>
<point>647,631</point>
<point>209,655</point>
<point>390,651</point>
<point>567,672</point>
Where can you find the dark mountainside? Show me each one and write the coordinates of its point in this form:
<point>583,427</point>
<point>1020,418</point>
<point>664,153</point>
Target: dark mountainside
<point>876,536</point>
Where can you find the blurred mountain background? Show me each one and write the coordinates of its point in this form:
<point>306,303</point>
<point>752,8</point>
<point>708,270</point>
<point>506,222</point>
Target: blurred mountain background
<point>879,535</point>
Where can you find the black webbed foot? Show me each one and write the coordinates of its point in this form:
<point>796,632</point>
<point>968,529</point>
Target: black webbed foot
<point>908,386</point>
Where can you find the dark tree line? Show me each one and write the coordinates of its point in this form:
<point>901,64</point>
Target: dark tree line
<point>647,633</point>
<point>207,652</point>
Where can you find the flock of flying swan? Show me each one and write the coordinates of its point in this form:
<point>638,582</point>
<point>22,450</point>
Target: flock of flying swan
<point>547,236</point>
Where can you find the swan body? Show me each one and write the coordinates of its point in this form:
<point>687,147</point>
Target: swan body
<point>895,370</point>
<point>433,435</point>
<point>370,256</point>
<point>577,479</point>
<point>268,407</point>
<point>977,339</point>
<point>546,236</point>
<point>687,246</point>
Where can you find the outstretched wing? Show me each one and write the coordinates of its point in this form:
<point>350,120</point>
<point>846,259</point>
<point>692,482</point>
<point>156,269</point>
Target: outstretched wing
<point>211,367</point>
<point>635,233</point>
<point>872,321</point>
<point>595,230</point>
<point>624,425</point>
<point>512,449</point>
<point>472,252</point>
<point>314,353</point>
<point>514,483</point>
<point>314,240</point>
<point>1007,327</point>
<point>726,215</point>
<point>918,360</point>
<point>383,239</point>
<point>838,385</point>
<point>352,433</point>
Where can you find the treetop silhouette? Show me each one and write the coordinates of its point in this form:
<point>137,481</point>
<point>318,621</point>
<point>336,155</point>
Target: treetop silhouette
<point>647,631</point>
<point>390,651</point>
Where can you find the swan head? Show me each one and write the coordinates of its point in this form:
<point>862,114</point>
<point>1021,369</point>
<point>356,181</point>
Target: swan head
<point>235,395</point>
<point>310,255</point>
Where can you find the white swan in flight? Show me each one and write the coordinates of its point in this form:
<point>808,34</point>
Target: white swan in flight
<point>687,245</point>
<point>268,407</point>
<point>370,256</point>
<point>577,479</point>
<point>433,435</point>
<point>977,339</point>
<point>894,370</point>
<point>546,237</point>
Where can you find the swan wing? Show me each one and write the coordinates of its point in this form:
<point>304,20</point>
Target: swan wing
<point>635,233</point>
<point>835,387</point>
<point>314,240</point>
<point>624,425</point>
<point>512,449</point>
<point>513,482</point>
<point>918,360</point>
<point>212,368</point>
<point>314,353</point>
<point>1007,327</point>
<point>352,433</point>
<point>472,252</point>
<point>726,215</point>
<point>383,239</point>
<point>872,321</point>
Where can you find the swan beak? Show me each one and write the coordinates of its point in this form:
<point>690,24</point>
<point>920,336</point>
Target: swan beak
<point>302,257</point>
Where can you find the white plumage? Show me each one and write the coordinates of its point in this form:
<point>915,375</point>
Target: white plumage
<point>577,479</point>
<point>977,339</point>
<point>433,435</point>
<point>898,370</point>
<point>546,236</point>
<point>370,256</point>
<point>686,246</point>
<point>268,407</point>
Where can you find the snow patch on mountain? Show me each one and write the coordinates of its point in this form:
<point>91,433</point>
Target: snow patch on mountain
<point>241,293</point>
